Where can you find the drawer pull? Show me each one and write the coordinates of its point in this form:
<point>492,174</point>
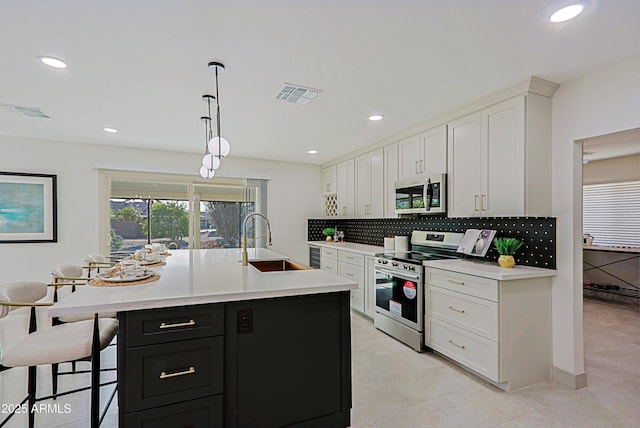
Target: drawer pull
<point>180,324</point>
<point>456,282</point>
<point>164,375</point>
<point>457,310</point>
<point>348,257</point>
<point>348,274</point>
<point>455,344</point>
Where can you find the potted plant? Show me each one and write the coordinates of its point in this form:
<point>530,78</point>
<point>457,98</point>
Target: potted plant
<point>507,247</point>
<point>328,232</point>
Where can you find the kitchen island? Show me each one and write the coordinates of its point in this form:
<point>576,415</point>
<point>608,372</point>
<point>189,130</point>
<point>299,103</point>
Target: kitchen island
<point>214,343</point>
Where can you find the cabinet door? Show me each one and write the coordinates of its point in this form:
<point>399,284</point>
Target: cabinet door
<point>376,183</point>
<point>294,367</point>
<point>434,146</point>
<point>369,287</point>
<point>363,196</point>
<point>465,166</point>
<point>345,187</point>
<point>409,157</point>
<point>329,180</point>
<point>390,178</point>
<point>503,131</point>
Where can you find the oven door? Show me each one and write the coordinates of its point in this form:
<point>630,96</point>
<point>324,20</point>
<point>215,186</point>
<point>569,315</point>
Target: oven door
<point>400,296</point>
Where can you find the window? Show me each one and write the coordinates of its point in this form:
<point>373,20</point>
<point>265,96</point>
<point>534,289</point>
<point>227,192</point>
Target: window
<point>180,211</point>
<point>610,213</point>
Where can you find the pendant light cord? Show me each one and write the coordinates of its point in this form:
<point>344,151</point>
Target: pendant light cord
<point>218,117</point>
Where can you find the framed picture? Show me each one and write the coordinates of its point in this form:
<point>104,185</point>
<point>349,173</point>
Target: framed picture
<point>28,211</point>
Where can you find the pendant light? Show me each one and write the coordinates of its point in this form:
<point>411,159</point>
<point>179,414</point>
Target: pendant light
<point>218,145</point>
<point>209,162</point>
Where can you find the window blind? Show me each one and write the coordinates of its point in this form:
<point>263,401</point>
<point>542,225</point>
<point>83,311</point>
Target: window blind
<point>611,213</point>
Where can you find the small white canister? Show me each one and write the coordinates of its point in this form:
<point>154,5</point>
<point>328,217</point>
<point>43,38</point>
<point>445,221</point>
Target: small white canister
<point>402,243</point>
<point>389,244</point>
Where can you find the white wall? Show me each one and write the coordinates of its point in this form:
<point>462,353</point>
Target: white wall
<point>604,101</point>
<point>293,196</point>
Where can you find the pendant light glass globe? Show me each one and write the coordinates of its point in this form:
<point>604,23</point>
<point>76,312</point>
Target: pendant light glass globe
<point>207,173</point>
<point>210,161</point>
<point>219,149</point>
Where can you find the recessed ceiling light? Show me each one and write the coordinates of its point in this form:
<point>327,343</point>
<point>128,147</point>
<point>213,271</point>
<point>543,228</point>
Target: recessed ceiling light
<point>375,117</point>
<point>53,62</point>
<point>567,13</point>
<point>111,130</point>
<point>312,152</point>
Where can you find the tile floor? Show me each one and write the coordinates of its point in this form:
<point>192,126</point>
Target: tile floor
<point>393,386</point>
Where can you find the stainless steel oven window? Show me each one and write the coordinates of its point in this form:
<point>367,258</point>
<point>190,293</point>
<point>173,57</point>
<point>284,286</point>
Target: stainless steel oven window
<point>399,295</point>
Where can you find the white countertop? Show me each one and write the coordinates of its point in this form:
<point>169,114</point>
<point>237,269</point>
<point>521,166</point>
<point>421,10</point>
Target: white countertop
<point>490,269</point>
<point>192,277</point>
<point>368,250</point>
<point>611,248</point>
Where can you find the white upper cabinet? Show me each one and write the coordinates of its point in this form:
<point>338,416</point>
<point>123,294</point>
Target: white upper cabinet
<point>423,154</point>
<point>409,157</point>
<point>465,166</point>
<point>345,188</point>
<point>369,182</point>
<point>499,160</point>
<point>329,180</point>
<point>434,149</point>
<point>390,177</point>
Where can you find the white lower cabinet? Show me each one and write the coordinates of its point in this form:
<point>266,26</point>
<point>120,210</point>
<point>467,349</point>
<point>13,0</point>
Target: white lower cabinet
<point>369,286</point>
<point>351,266</point>
<point>357,266</point>
<point>329,260</point>
<point>499,329</point>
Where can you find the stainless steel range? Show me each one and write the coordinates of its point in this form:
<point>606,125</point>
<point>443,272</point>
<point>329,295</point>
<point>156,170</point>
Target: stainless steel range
<point>400,284</point>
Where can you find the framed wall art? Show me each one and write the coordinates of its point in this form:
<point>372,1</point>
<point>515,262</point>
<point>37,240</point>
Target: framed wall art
<point>28,211</point>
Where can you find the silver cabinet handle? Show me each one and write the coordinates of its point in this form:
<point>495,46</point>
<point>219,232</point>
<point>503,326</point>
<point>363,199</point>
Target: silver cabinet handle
<point>457,310</point>
<point>483,198</point>
<point>421,166</point>
<point>165,375</point>
<point>455,344</point>
<point>475,203</point>
<point>180,324</point>
<point>348,274</point>
<point>416,168</point>
<point>456,282</point>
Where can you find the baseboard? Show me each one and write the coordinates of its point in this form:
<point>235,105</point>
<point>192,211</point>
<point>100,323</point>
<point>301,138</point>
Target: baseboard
<point>571,380</point>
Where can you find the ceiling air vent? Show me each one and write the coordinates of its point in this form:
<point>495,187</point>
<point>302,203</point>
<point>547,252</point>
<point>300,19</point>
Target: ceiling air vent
<point>27,111</point>
<point>296,93</point>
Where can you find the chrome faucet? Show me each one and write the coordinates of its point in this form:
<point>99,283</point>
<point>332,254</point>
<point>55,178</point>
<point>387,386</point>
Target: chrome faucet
<point>245,256</point>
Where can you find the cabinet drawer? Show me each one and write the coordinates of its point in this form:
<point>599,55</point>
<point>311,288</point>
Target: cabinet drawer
<point>330,265</point>
<point>329,253</point>
<point>354,273</point>
<point>163,325</point>
<point>349,257</point>
<point>475,352</point>
<point>202,413</point>
<point>468,284</point>
<point>479,316</point>
<point>357,300</point>
<point>158,375</point>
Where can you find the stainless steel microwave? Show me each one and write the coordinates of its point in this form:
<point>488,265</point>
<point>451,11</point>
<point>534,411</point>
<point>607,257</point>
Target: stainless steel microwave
<point>426,195</point>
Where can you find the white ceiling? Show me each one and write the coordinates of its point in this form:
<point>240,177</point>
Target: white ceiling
<point>141,66</point>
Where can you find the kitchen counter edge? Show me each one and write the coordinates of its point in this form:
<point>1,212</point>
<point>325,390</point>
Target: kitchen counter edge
<point>490,270</point>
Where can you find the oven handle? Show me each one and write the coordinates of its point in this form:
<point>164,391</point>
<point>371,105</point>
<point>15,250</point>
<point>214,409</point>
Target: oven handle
<point>403,275</point>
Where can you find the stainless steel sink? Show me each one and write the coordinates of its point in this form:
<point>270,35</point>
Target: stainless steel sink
<point>277,265</point>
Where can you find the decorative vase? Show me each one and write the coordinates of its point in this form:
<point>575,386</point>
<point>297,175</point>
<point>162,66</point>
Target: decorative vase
<point>506,261</point>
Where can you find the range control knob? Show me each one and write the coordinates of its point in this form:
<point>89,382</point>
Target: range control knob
<point>409,267</point>
<point>394,264</point>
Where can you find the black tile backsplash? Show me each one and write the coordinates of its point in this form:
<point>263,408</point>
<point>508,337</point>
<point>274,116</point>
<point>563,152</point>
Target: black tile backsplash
<point>538,234</point>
